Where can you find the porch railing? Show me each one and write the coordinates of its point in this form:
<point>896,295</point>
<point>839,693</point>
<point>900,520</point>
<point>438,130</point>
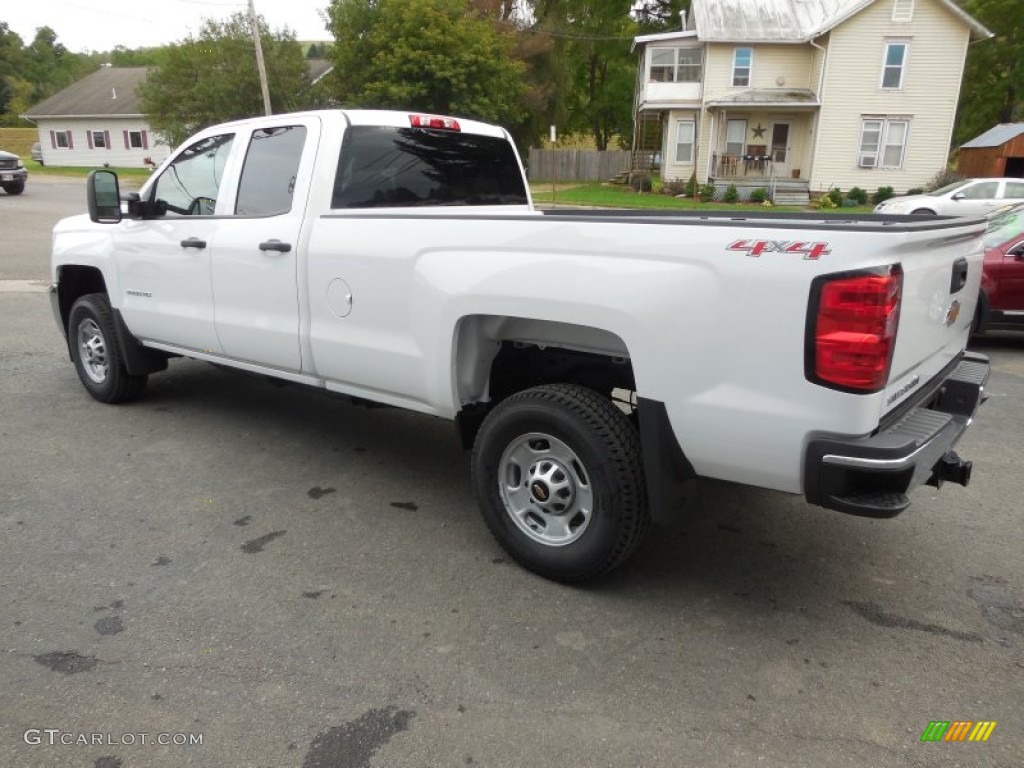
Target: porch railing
<point>739,166</point>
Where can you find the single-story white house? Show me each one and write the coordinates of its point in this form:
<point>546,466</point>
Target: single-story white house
<point>97,121</point>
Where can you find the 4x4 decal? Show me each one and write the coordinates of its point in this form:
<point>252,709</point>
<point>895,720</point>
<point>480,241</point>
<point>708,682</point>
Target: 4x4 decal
<point>757,247</point>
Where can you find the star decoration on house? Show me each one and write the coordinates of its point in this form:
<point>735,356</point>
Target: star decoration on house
<point>759,131</point>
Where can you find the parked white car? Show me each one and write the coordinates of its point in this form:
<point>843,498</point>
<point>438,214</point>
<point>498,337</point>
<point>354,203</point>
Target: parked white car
<point>962,198</point>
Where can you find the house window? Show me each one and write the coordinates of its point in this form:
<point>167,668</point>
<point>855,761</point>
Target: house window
<point>99,139</point>
<point>894,65</point>
<point>135,139</point>
<point>742,61</point>
<point>735,137</point>
<point>675,65</point>
<point>62,139</point>
<point>902,10</point>
<point>883,142</point>
<point>685,132</point>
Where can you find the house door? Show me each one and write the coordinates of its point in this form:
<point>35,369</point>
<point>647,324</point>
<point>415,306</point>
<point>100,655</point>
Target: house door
<point>780,149</point>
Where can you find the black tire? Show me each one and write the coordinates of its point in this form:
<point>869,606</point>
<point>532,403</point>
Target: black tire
<point>591,455</point>
<point>980,313</point>
<point>14,188</point>
<point>91,333</point>
<point>922,212</point>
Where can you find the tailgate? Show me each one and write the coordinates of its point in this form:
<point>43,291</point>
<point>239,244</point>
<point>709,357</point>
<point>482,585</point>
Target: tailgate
<point>941,280</point>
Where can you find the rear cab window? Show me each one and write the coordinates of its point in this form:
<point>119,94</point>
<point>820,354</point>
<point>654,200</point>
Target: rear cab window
<point>388,166</point>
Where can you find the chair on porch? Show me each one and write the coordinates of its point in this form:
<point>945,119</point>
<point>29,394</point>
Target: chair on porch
<point>729,165</point>
<point>756,159</point>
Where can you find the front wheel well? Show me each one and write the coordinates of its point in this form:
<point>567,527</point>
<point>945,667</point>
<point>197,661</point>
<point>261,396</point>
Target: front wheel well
<point>74,282</point>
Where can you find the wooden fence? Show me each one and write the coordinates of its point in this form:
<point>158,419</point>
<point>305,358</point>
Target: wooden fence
<point>576,164</point>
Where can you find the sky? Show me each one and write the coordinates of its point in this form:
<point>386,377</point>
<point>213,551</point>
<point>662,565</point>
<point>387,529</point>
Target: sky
<point>100,25</point>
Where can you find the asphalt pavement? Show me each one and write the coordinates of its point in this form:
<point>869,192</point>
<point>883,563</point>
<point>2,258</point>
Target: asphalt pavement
<point>295,581</point>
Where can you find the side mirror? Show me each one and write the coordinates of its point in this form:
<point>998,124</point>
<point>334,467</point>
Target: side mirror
<point>1016,250</point>
<point>958,196</point>
<point>104,196</point>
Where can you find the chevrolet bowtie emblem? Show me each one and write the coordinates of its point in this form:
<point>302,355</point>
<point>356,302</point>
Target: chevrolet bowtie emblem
<point>953,312</point>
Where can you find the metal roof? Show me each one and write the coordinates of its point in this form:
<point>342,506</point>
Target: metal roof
<point>788,21</point>
<point>769,97</point>
<point>107,91</point>
<point>996,137</point>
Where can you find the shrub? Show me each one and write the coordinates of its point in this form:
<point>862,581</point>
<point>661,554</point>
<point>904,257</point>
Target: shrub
<point>824,202</point>
<point>858,194</point>
<point>942,178</point>
<point>731,195</point>
<point>915,191</point>
<point>882,194</point>
<point>676,188</point>
<point>707,193</point>
<point>759,195</point>
<point>691,186</point>
<point>641,182</point>
<point>836,196</point>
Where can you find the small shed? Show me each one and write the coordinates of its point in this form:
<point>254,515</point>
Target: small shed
<point>999,151</point>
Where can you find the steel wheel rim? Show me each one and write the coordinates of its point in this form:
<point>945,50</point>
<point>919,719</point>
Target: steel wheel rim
<point>92,350</point>
<point>545,489</point>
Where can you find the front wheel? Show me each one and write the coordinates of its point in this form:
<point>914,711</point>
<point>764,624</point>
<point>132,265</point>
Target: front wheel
<point>14,188</point>
<point>97,354</point>
<point>922,212</point>
<point>558,476</point>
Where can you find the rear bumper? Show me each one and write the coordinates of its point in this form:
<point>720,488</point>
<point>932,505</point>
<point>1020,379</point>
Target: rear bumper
<point>871,476</point>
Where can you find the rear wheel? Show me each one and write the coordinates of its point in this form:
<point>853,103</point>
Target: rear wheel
<point>558,476</point>
<point>97,354</point>
<point>14,187</point>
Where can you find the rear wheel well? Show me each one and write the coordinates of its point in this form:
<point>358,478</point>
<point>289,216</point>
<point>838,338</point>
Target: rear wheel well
<point>519,365</point>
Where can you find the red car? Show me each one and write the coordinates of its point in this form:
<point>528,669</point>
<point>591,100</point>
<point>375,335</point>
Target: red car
<point>1001,304</point>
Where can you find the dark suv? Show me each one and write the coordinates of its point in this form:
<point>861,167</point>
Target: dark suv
<point>12,173</point>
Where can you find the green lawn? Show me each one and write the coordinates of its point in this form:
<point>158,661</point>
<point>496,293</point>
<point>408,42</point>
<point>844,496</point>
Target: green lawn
<point>35,169</point>
<point>614,196</point>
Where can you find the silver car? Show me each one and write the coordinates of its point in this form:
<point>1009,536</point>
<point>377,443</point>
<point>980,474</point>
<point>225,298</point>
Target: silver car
<point>963,198</point>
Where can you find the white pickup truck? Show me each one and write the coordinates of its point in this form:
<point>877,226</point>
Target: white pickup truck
<point>596,362</point>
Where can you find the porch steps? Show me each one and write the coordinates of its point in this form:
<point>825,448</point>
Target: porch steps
<point>794,197</point>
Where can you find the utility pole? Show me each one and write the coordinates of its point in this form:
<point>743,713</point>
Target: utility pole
<point>259,58</point>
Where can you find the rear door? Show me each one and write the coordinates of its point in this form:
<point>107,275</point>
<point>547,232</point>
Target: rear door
<point>254,269</point>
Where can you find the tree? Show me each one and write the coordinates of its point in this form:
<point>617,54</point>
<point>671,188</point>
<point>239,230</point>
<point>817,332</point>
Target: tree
<point>993,87</point>
<point>213,78</point>
<point>439,56</point>
<point>31,73</point>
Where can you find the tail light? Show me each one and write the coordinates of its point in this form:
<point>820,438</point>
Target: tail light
<point>851,334</point>
<point>432,121</point>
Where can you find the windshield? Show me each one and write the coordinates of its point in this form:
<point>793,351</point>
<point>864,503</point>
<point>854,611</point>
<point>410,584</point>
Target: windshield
<point>947,188</point>
<point>1004,227</point>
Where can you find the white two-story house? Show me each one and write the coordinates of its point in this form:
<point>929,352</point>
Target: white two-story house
<point>808,94</point>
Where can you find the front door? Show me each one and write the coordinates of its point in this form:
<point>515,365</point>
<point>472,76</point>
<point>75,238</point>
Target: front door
<point>780,150</point>
<point>255,264</point>
<point>163,260</point>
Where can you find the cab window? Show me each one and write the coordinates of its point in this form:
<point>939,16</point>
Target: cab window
<point>268,175</point>
<point>189,186</point>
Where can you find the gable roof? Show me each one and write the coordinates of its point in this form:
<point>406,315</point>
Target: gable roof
<point>996,136</point>
<point>106,92</point>
<point>789,21</point>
